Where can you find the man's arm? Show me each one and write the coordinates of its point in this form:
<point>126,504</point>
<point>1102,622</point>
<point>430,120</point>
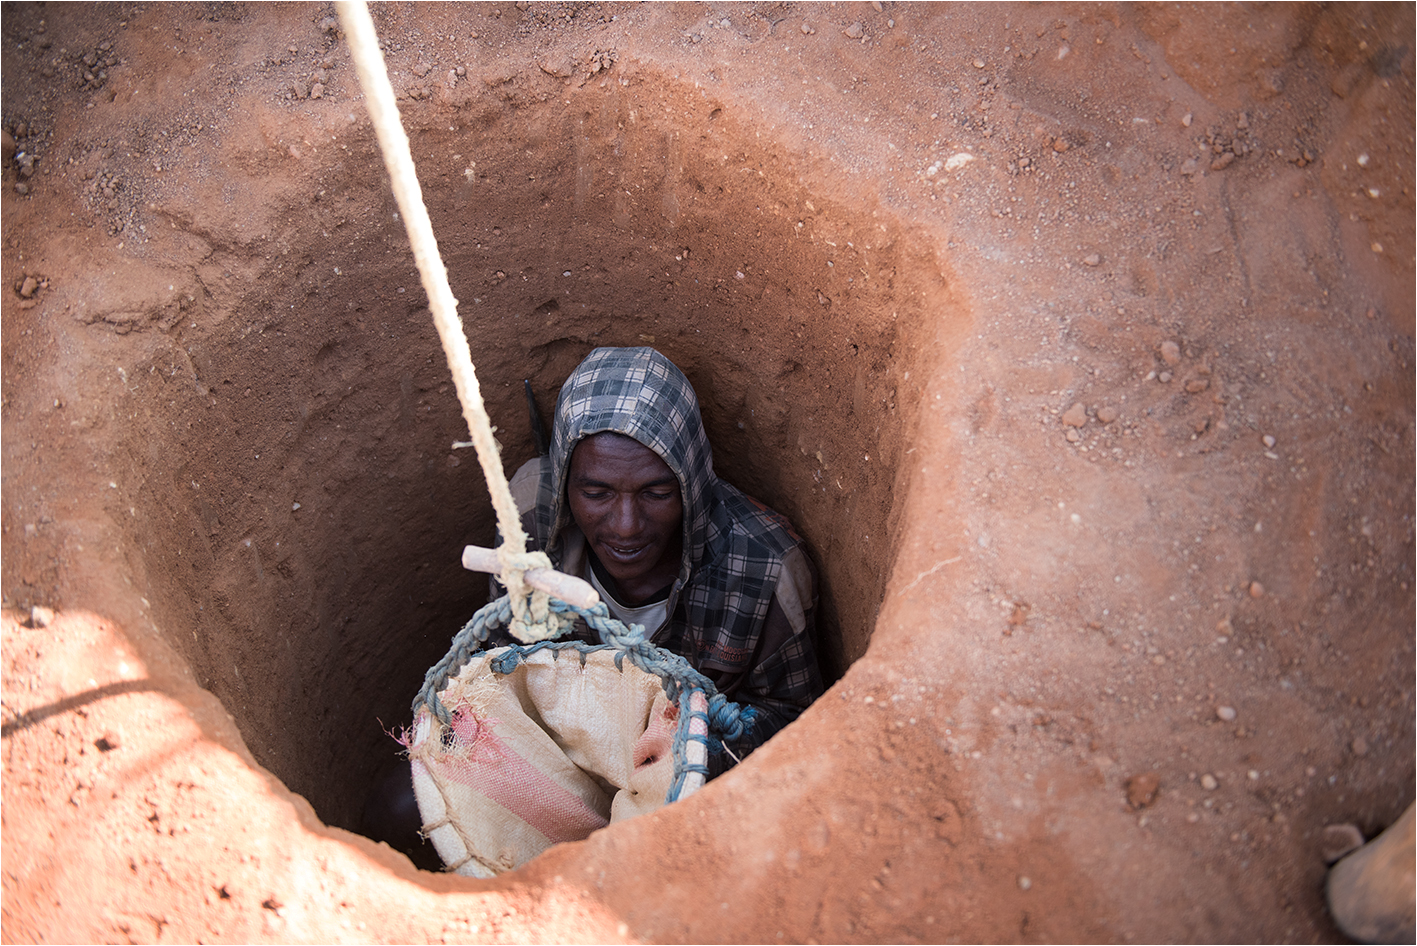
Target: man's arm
<point>784,678</point>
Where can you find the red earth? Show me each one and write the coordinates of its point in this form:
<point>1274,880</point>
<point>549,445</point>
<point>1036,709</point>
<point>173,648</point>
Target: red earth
<point>1077,341</point>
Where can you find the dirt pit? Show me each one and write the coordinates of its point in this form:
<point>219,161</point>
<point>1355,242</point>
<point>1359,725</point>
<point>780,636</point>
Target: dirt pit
<point>1078,345</point>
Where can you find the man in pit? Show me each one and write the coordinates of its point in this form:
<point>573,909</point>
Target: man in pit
<point>628,500</point>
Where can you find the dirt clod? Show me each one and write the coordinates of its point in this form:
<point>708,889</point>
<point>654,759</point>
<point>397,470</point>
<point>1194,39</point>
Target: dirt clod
<point>1339,840</point>
<point>1141,789</point>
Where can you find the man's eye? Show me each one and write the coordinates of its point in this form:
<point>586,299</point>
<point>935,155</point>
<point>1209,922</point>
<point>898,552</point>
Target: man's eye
<point>594,494</point>
<point>661,497</point>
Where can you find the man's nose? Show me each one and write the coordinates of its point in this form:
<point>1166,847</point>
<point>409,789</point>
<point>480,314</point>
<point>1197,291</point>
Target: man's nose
<point>624,516</point>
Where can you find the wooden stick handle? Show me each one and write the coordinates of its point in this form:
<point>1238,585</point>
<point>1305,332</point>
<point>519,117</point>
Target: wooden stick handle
<point>568,588</point>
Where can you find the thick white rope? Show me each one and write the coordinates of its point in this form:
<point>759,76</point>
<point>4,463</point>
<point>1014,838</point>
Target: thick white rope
<point>539,623</point>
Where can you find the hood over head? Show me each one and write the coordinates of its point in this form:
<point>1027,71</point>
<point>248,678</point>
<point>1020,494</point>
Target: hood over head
<point>641,394</point>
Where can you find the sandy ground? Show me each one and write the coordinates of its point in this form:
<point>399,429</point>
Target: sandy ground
<point>1077,340</point>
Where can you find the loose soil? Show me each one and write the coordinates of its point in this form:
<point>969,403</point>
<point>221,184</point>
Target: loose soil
<point>1077,341</point>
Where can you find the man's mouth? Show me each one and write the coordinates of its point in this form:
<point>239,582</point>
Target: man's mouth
<point>623,553</point>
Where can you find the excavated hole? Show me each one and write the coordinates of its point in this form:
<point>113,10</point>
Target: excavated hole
<point>302,535</point>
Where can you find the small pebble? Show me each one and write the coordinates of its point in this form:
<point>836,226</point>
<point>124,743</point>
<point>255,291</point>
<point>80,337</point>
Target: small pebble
<point>807,30</point>
<point>854,31</point>
<point>1256,590</point>
<point>1362,163</point>
<point>1268,441</point>
<point>1340,840</point>
<point>1072,435</point>
<point>1141,789</point>
<point>29,287</point>
<point>1106,414</point>
<point>1196,385</point>
<point>1060,145</point>
<point>40,616</point>
<point>1209,783</point>
<point>1360,747</point>
<point>979,64</point>
<point>1075,416</point>
<point>1225,713</point>
<point>1170,352</point>
<point>1024,883</point>
<point>1223,161</point>
<point>1092,259</point>
<point>1164,377</point>
<point>1186,120</point>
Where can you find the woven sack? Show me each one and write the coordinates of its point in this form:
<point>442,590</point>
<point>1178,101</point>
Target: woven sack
<point>546,744</point>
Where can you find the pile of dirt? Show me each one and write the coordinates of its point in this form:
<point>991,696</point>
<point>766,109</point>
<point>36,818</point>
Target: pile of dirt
<point>1078,345</point>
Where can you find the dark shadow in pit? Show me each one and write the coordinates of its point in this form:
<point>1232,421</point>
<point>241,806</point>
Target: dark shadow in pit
<point>303,508</point>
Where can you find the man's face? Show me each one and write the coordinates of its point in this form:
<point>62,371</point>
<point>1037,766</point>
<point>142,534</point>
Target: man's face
<point>626,500</point>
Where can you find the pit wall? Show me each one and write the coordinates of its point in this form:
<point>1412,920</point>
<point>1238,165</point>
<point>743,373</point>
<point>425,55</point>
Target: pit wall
<point>304,548</point>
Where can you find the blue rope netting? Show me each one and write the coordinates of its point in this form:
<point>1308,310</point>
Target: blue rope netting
<point>725,721</point>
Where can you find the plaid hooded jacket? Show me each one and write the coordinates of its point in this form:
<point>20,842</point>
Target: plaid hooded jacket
<point>741,610</point>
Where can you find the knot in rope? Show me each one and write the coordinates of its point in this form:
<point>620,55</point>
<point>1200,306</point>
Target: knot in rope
<point>533,618</point>
<point>729,720</point>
